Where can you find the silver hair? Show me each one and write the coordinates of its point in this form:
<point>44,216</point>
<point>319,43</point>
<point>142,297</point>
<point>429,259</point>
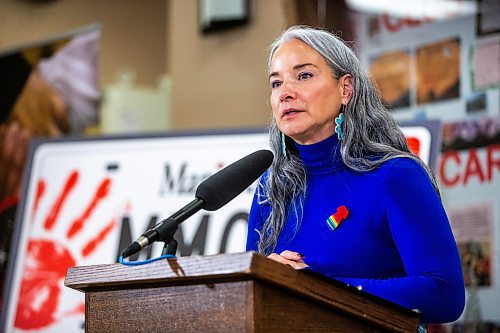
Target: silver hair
<point>371,135</point>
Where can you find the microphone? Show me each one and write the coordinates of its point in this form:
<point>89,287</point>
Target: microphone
<point>213,193</point>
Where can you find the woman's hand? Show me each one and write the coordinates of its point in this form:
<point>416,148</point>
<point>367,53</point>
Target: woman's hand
<point>291,258</point>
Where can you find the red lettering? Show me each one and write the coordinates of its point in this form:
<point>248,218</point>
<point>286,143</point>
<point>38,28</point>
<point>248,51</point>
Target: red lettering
<point>412,22</point>
<point>493,162</point>
<point>455,157</point>
<point>392,24</point>
<point>473,167</point>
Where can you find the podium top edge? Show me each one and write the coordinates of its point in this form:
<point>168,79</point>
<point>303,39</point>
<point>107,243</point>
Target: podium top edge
<point>173,269</point>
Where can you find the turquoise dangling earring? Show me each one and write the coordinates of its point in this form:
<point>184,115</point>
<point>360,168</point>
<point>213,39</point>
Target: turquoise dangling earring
<point>338,123</point>
<point>283,144</point>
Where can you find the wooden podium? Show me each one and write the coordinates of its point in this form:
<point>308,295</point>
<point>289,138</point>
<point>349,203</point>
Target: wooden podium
<point>244,292</point>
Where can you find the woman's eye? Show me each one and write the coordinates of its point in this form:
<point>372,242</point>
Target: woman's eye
<point>305,75</point>
<point>275,84</point>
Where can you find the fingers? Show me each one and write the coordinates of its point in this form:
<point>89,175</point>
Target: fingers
<point>278,258</point>
<point>289,259</point>
<point>291,255</point>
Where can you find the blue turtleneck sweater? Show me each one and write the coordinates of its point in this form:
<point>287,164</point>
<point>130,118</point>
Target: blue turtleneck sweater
<point>395,242</point>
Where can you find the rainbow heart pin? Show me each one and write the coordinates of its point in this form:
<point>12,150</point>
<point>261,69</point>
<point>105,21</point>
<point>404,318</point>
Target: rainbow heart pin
<point>336,218</point>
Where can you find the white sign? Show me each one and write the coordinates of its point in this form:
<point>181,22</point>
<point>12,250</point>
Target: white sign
<point>84,197</point>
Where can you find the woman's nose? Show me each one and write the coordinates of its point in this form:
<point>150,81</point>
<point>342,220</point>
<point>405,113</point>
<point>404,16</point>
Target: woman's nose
<point>287,92</point>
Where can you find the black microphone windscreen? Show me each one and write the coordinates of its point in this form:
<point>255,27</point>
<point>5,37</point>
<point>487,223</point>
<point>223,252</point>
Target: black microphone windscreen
<point>225,185</point>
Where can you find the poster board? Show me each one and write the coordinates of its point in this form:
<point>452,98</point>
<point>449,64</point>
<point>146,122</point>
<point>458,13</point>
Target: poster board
<point>83,197</point>
<point>469,173</point>
<point>447,69</point>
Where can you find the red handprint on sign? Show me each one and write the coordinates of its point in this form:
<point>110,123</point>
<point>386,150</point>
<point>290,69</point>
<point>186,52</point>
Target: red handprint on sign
<point>47,260</point>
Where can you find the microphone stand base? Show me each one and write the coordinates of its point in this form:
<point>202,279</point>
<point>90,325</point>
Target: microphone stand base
<point>170,247</point>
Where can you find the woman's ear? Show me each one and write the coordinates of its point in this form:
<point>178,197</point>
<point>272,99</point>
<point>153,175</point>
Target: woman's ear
<point>347,88</point>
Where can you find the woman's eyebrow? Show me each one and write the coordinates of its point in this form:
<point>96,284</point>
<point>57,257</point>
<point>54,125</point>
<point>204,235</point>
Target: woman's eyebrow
<point>296,67</point>
<point>299,66</point>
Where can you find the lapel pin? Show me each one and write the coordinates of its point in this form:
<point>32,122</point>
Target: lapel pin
<point>336,218</point>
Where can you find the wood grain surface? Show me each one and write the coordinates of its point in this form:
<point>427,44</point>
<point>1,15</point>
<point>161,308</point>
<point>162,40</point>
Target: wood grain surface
<point>244,292</point>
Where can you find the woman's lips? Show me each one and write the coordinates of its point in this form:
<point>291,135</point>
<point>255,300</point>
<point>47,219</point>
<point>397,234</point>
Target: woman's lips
<point>288,113</point>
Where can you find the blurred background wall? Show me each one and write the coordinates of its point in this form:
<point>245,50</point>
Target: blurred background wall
<point>134,32</point>
<point>219,79</point>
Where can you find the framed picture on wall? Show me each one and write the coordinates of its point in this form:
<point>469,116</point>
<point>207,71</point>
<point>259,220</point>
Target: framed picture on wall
<point>488,17</point>
<point>218,15</point>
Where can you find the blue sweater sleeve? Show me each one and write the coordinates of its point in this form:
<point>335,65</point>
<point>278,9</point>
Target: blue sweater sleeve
<point>421,231</point>
<point>255,219</point>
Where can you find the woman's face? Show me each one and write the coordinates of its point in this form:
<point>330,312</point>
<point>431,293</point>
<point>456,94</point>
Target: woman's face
<point>305,97</point>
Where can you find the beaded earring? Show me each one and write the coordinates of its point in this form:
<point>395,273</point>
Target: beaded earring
<point>283,144</point>
<point>338,123</point>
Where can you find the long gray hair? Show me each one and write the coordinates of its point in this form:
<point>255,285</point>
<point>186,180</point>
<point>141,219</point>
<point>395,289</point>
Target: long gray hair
<point>371,135</point>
